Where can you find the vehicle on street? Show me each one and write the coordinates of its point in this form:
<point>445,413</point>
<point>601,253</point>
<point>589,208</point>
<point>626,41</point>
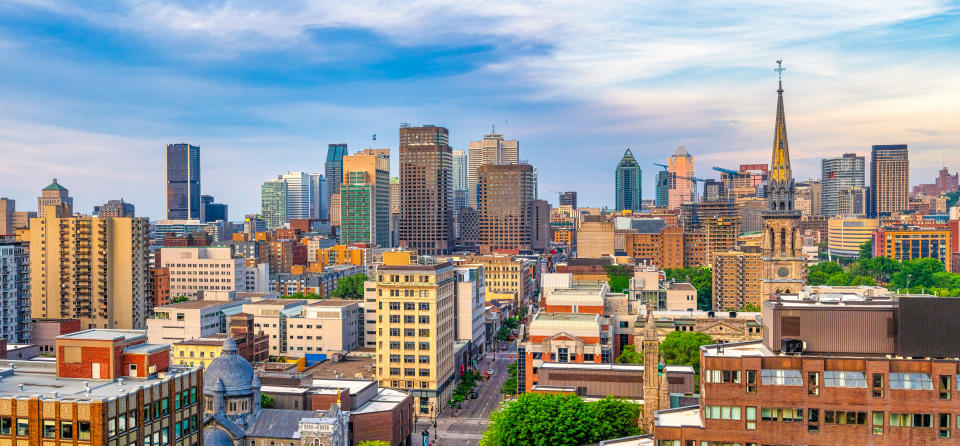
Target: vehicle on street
<point>474,395</point>
<point>490,372</point>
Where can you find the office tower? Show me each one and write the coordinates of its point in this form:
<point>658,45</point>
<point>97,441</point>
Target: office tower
<point>365,200</point>
<point>889,180</point>
<point>836,175</point>
<point>213,211</point>
<point>539,224</point>
<point>903,242</point>
<point>783,265</point>
<point>425,190</point>
<point>298,194</point>
<point>55,195</point>
<point>8,207</point>
<point>394,195</point>
<point>714,190</point>
<point>114,208</point>
<point>535,182</point>
<point>319,198</point>
<point>14,290</point>
<point>569,199</point>
<point>504,194</point>
<point>416,331</point>
<point>273,203</point>
<point>852,202</point>
<point>492,149</point>
<point>682,187</point>
<point>628,183</point>
<point>252,224</point>
<point>459,170</point>
<point>90,268</point>
<point>334,167</point>
<point>663,189</point>
<point>183,182</point>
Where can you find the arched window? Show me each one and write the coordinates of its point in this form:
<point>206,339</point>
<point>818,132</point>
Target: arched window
<point>783,241</point>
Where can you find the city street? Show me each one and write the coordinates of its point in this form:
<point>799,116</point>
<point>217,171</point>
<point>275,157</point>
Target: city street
<point>470,422</point>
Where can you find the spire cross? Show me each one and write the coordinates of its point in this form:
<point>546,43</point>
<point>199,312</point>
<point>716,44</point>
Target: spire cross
<point>779,69</point>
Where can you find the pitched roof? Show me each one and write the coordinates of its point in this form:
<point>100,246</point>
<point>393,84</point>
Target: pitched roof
<point>55,186</point>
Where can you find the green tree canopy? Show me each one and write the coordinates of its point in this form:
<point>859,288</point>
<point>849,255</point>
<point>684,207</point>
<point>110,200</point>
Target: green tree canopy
<point>683,348</point>
<point>350,287</point>
<point>266,401</point>
<point>510,384</point>
<point>701,278</point>
<point>179,299</point>
<point>539,419</point>
<point>302,296</point>
<point>629,355</point>
<point>866,251</point>
<point>619,277</point>
<point>374,443</point>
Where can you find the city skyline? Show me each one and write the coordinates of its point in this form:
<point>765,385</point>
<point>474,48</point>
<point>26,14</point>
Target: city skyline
<point>106,140</point>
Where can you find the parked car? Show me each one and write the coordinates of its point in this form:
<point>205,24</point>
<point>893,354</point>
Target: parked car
<point>490,372</point>
<point>473,395</point>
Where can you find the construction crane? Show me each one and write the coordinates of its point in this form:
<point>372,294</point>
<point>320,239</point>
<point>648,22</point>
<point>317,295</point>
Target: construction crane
<point>729,171</point>
<point>696,195</point>
<point>733,174</point>
<point>664,166</point>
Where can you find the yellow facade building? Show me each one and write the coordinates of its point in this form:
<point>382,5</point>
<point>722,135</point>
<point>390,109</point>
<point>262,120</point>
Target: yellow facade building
<point>195,352</point>
<point>845,235</point>
<point>416,332</point>
<point>506,276</point>
<point>912,242</point>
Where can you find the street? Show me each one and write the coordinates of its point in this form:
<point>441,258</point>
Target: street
<point>470,422</point>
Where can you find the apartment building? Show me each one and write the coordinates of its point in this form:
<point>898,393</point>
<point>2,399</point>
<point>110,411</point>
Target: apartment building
<point>416,332</point>
<point>470,302</point>
<point>190,320</point>
<point>14,290</point>
<point>194,270</point>
<point>736,280</point>
<point>307,282</point>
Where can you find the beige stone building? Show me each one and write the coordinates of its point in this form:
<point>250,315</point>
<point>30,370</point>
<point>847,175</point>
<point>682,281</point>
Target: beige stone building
<point>416,332</point>
<point>298,327</point>
<point>194,270</point>
<point>190,320</point>
<point>721,325</point>
<point>504,275</point>
<point>90,268</point>
<point>595,238</point>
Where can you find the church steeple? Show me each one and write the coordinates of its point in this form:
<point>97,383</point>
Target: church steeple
<point>780,183</point>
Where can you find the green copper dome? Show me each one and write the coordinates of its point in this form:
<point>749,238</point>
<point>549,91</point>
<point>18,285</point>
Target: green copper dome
<point>55,186</point>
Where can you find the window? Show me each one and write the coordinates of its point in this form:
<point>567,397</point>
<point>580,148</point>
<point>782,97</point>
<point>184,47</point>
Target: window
<point>49,429</point>
<point>23,427</point>
<point>813,383</point>
<point>722,413</point>
<point>562,355</point>
<point>945,386</point>
<point>66,429</point>
<point>394,332</point>
<point>408,306</point>
<point>878,423</point>
<point>424,306</point>
<point>407,319</point>
<point>132,419</point>
<point>911,381</point>
<point>588,357</point>
<point>944,425</point>
<point>122,422</point>
<point>844,379</point>
<point>423,319</point>
<point>164,406</point>
<point>813,420</point>
<point>424,372</point>
<point>193,395</point>
<point>5,424</point>
<point>424,333</point>
<point>911,420</point>
<point>112,427</point>
<point>781,377</point>
<point>424,346</point>
<point>751,381</point>
<point>394,318</point>
<point>723,376</point>
<point>877,385</point>
<point>844,417</point>
<point>751,416</point>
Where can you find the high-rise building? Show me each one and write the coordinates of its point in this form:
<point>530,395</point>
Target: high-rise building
<point>55,195</point>
<point>8,207</point>
<point>273,203</point>
<point>682,188</point>
<point>194,271</point>
<point>714,190</point>
<point>539,224</point>
<point>569,198</point>
<point>628,183</point>
<point>298,194</point>
<point>319,198</point>
<point>213,211</point>
<point>334,167</point>
<point>459,170</point>
<point>425,190</point>
<point>943,183</point>
<point>736,280</point>
<point>115,208</point>
<point>416,331</point>
<point>852,202</point>
<point>183,182</point>
<point>365,200</point>
<point>394,195</point>
<point>663,189</point>
<point>90,268</point>
<point>504,194</point>
<point>783,265</point>
<point>492,149</point>
<point>14,290</point>
<point>838,174</point>
<point>889,180</point>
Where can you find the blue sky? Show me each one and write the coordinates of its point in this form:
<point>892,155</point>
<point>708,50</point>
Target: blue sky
<point>91,93</point>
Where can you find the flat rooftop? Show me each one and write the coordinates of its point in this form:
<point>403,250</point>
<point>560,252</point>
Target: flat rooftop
<point>386,399</point>
<point>697,314</point>
<point>39,378</point>
<point>738,349</point>
<point>146,348</point>
<point>102,334</point>
<point>353,385</point>
<point>679,417</point>
<point>332,302</point>
<point>611,367</point>
<point>279,302</point>
<point>199,304</point>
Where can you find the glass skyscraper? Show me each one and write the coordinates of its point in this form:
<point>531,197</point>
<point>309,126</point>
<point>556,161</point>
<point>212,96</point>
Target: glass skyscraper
<point>183,182</point>
<point>628,183</point>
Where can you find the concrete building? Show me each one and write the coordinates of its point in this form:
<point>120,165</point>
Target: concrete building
<point>736,280</point>
<point>889,180</point>
<point>55,195</point>
<point>183,182</point>
<point>190,320</point>
<point>426,219</point>
<point>837,175</point>
<point>90,268</point>
<point>492,149</point>
<point>273,203</point>
<point>299,328</point>
<point>852,202</point>
<point>14,290</point>
<point>8,207</point>
<point>195,270</point>
<point>365,200</point>
<point>904,242</point>
<point>115,208</point>
<point>506,275</point>
<point>107,387</point>
<point>595,238</point>
<point>504,193</point>
<point>628,184</point>
<point>416,332</point>
<point>569,199</point>
<point>299,190</point>
<point>469,305</point>
<point>44,332</point>
<point>845,235</point>
<point>682,188</point>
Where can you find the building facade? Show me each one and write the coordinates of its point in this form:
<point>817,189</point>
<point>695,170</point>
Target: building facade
<point>115,208</point>
<point>845,235</point>
<point>196,270</point>
<point>628,184</point>
<point>903,243</point>
<point>504,193</point>
<point>426,219</point>
<point>889,180</point>
<point>14,290</point>
<point>273,203</point>
<point>736,280</point>
<point>55,195</point>
<point>334,167</point>
<point>837,175</point>
<point>492,149</point>
<point>365,200</point>
<point>682,188</point>
<point>569,199</point>
<point>183,182</point>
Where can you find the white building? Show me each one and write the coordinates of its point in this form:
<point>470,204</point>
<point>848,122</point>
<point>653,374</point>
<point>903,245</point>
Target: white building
<point>14,291</point>
<point>470,301</point>
<point>194,269</point>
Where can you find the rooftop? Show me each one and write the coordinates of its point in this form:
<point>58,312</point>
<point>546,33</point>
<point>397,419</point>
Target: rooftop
<point>199,304</point>
<point>679,417</point>
<point>102,334</point>
<point>353,385</point>
<point>39,378</point>
<point>612,367</point>
<point>682,286</point>
<point>146,348</point>
<point>386,399</point>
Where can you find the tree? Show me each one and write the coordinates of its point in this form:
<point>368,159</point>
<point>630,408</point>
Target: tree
<point>179,299</point>
<point>302,296</point>
<point>750,308</point>
<point>629,355</point>
<point>683,348</point>
<point>350,287</point>
<point>266,401</point>
<point>866,250</point>
<point>701,279</point>
<point>539,419</point>
<point>510,384</point>
<point>917,273</point>
<point>374,443</point>
<point>619,277</point>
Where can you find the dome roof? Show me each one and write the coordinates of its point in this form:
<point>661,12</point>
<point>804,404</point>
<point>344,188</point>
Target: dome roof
<point>229,370</point>
<point>216,437</point>
<point>55,186</point>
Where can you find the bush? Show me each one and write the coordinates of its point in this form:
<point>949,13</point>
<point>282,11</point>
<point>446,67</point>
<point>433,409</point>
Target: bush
<point>540,419</point>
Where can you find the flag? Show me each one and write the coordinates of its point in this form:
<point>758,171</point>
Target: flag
<point>374,136</point>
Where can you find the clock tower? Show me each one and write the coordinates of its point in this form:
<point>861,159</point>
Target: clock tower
<point>783,267</point>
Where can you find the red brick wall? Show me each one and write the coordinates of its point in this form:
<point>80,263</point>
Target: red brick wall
<point>391,426</point>
<point>90,354</point>
<point>139,360</point>
<point>323,402</point>
<point>69,326</point>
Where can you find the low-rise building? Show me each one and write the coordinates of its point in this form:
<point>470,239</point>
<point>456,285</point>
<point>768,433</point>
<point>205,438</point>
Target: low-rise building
<point>904,242</point>
<point>190,320</point>
<point>845,235</point>
<point>193,270</point>
<point>301,328</point>
<point>561,338</point>
<point>44,332</point>
<point>308,282</point>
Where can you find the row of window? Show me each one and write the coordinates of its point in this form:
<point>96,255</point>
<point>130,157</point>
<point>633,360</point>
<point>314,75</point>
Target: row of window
<point>407,306</point>
<point>411,359</point>
<point>395,319</point>
<point>423,332</point>
<point>832,417</point>
<point>395,371</point>
<point>49,428</point>
<point>789,377</point>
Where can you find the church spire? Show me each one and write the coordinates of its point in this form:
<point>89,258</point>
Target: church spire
<point>780,166</point>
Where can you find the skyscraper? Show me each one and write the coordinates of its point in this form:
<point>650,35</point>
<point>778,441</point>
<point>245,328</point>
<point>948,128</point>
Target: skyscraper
<point>273,203</point>
<point>8,207</point>
<point>783,266</point>
<point>425,189</point>
<point>183,182</point>
<point>569,198</point>
<point>298,194</point>
<point>837,175</point>
<point>365,200</point>
<point>334,168</point>
<point>459,170</point>
<point>115,208</point>
<point>628,183</point>
<point>55,195</point>
<point>319,197</point>
<point>680,167</point>
<point>889,179</point>
<point>213,211</point>
<point>492,149</point>
<point>663,189</point>
<point>504,193</point>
